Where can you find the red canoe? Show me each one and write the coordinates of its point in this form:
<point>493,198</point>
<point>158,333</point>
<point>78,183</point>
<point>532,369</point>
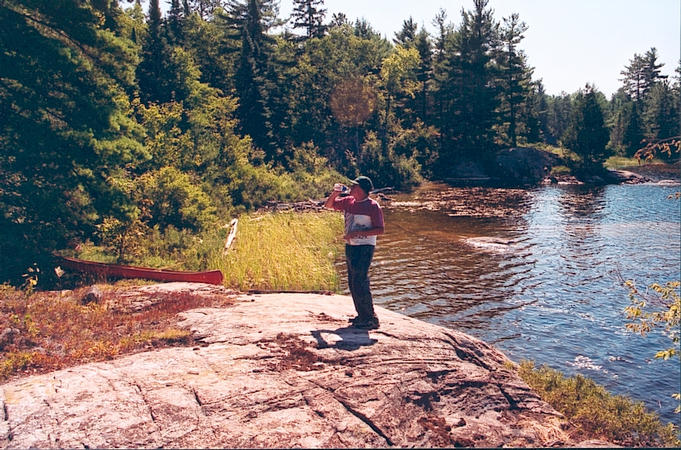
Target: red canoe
<point>116,270</point>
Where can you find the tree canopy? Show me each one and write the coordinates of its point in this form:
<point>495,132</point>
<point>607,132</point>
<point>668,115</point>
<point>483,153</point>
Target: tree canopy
<point>112,114</point>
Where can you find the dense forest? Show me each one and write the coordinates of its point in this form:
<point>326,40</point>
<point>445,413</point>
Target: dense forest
<point>119,120</point>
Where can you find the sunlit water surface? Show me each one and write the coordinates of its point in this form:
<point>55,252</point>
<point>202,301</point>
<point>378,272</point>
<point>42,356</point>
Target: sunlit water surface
<point>534,272</point>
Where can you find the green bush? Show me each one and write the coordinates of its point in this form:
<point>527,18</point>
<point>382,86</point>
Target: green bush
<point>421,142</point>
<point>310,172</point>
<point>173,198</point>
<point>385,167</point>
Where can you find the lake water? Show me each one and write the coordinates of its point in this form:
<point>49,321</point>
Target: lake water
<point>534,272</point>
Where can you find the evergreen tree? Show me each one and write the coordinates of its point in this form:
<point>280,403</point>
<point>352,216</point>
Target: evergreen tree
<point>516,76</point>
<point>661,114</point>
<point>641,74</point>
<point>309,14</point>
<point>531,114</point>
<point>204,8</point>
<point>443,44</point>
<point>66,133</point>
<point>444,31</point>
<point>633,82</point>
<point>587,134</point>
<point>338,20</point>
<point>424,73</point>
<point>540,110</point>
<point>364,30</point>
<point>251,21</point>
<point>214,45</point>
<point>651,70</point>
<point>406,37</point>
<point>175,24</point>
<point>633,129</point>
<point>152,72</point>
<point>619,109</point>
<point>559,113</point>
<point>471,85</point>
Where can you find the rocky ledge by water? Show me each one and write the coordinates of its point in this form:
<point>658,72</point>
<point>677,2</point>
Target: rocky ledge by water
<point>529,166</point>
<point>285,370</point>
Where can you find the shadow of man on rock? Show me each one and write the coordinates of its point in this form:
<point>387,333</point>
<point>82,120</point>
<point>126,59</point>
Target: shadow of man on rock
<point>350,338</point>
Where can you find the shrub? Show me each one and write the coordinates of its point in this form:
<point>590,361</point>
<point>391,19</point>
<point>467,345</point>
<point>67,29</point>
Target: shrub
<point>311,173</point>
<point>175,199</point>
<point>385,167</point>
<point>52,330</point>
<point>596,412</point>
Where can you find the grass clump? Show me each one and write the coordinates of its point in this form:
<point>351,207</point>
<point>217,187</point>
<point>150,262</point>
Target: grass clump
<point>623,162</point>
<point>596,412</point>
<point>560,170</point>
<point>562,152</point>
<point>284,250</point>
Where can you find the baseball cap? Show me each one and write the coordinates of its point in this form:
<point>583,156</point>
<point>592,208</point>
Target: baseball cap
<point>365,183</point>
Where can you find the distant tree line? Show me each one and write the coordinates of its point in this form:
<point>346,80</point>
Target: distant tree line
<point>117,121</point>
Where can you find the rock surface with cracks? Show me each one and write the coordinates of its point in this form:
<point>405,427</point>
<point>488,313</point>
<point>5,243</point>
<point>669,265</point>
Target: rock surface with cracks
<point>286,370</point>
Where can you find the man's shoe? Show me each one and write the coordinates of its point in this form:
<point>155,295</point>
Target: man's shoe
<point>371,324</point>
<point>353,320</point>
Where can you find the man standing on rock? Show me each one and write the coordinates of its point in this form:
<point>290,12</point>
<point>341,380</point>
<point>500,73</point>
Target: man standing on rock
<point>363,222</point>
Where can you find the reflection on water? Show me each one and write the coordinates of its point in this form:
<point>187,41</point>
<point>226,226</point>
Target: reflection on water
<point>532,272</point>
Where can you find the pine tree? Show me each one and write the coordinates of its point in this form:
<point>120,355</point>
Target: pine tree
<point>214,45</point>
<point>406,37</point>
<point>205,8</point>
<point>633,129</point>
<point>424,73</point>
<point>309,14</point>
<point>250,21</point>
<point>540,110</point>
<point>175,24</point>
<point>626,130</point>
<point>444,31</point>
<point>661,114</point>
<point>470,84</point>
<point>651,69</point>
<point>516,76</point>
<point>152,72</point>
<point>641,74</point>
<point>441,71</point>
<point>587,134</point>
<point>338,20</point>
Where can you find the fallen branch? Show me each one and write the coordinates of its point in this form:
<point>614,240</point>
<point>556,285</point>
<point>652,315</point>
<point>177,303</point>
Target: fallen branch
<point>309,205</point>
<point>232,235</point>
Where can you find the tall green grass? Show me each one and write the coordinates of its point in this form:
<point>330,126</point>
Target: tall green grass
<point>285,250</point>
<point>271,251</point>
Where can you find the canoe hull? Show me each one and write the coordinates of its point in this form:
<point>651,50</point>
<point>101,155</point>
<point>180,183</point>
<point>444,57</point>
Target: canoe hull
<point>117,270</point>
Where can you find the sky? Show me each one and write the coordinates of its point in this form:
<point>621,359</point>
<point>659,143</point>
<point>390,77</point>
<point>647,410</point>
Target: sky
<point>568,42</point>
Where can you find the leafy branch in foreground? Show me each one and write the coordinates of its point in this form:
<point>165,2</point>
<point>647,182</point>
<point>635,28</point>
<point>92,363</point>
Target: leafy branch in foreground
<point>666,303</point>
<point>664,300</point>
<point>653,147</point>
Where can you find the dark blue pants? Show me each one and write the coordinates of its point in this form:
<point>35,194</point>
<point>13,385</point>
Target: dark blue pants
<point>358,258</point>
